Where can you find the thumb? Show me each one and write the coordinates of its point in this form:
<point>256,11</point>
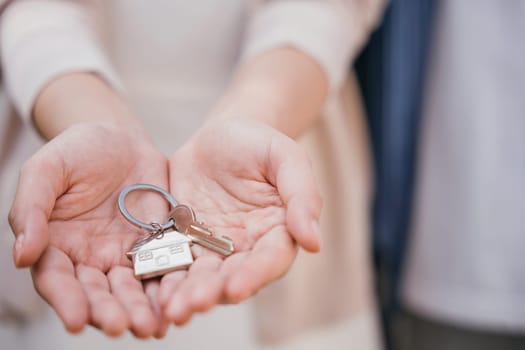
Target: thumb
<point>40,183</point>
<point>295,181</point>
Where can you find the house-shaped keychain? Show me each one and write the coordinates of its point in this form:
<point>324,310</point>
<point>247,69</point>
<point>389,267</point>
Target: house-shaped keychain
<point>157,256</point>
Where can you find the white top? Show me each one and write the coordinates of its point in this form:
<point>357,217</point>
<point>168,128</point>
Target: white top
<point>466,263</point>
<point>176,44</point>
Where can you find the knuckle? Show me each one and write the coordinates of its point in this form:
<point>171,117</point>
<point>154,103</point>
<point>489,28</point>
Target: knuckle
<point>319,200</point>
<point>11,218</point>
<point>41,163</point>
<point>27,167</point>
<point>40,284</point>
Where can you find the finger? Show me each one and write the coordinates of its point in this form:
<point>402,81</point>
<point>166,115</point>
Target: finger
<point>35,198</point>
<point>106,312</point>
<point>54,279</point>
<point>270,258</point>
<point>168,285</point>
<point>129,291</point>
<point>199,291</point>
<point>291,172</point>
<point>151,289</point>
<point>206,284</point>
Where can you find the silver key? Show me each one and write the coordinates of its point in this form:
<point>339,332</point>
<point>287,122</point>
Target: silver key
<point>185,222</point>
<point>160,253</point>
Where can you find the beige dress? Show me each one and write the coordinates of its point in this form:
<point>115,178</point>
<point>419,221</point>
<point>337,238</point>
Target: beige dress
<point>173,59</point>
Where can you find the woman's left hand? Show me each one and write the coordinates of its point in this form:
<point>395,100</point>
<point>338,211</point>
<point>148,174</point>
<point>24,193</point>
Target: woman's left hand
<point>254,184</point>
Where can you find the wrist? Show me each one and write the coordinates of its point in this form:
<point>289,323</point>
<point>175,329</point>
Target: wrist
<point>248,102</point>
<point>283,88</point>
<point>81,98</point>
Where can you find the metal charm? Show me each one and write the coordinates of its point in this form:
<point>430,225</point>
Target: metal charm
<point>158,255</point>
<point>164,250</point>
<point>167,248</point>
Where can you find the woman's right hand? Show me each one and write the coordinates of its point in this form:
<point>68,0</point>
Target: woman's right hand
<point>70,231</point>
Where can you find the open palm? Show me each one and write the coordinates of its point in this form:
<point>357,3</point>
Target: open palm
<point>73,233</point>
<point>255,185</point>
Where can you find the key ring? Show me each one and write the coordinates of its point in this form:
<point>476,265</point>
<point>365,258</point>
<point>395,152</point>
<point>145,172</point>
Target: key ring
<point>131,218</point>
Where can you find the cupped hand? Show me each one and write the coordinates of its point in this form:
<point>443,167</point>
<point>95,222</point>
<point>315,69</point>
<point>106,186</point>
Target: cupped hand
<point>69,229</point>
<point>255,185</point>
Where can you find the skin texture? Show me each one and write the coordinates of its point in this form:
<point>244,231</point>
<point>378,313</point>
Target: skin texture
<point>74,237</point>
<point>255,185</point>
<point>241,172</point>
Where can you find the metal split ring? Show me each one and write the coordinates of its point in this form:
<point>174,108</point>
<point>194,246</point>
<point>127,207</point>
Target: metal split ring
<point>154,227</point>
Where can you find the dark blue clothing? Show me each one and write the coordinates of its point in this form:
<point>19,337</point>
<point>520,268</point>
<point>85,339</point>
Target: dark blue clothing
<point>391,71</point>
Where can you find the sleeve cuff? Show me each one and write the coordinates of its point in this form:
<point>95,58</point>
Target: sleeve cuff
<point>58,41</point>
<point>320,29</point>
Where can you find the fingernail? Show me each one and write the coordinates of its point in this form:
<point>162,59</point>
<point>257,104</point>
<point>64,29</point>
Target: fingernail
<point>19,244</point>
